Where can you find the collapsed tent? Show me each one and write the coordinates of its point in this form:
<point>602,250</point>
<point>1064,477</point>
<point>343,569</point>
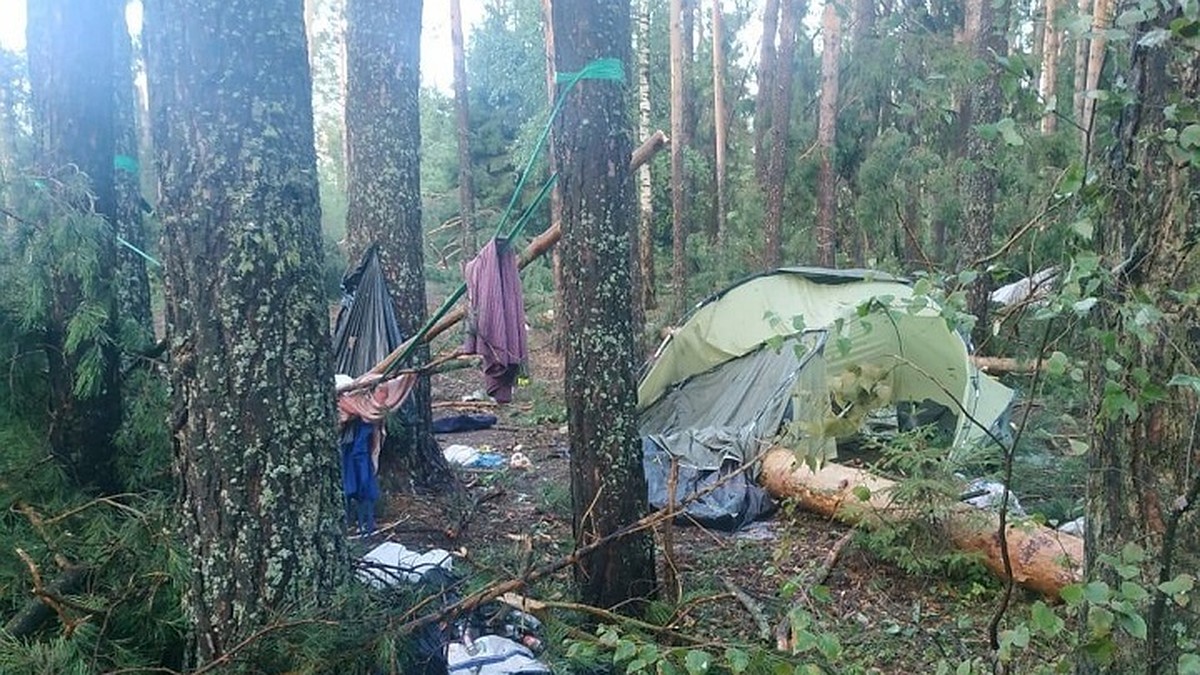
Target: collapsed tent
<point>799,357</point>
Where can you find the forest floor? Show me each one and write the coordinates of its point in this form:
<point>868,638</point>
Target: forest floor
<point>887,620</point>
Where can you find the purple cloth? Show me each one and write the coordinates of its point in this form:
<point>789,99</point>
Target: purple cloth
<point>496,330</point>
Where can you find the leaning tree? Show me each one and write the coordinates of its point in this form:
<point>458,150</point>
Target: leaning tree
<point>248,325</point>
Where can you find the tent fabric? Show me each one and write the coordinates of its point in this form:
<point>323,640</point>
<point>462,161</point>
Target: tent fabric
<point>869,319</point>
<point>366,330</point>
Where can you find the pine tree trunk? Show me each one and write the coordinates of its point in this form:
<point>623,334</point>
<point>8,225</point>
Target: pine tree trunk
<point>1080,69</point>
<point>71,86</point>
<point>1143,485</point>
<point>1101,11</point>
<point>645,185</point>
<point>762,101</point>
<point>132,283</point>
<point>720,123</point>
<point>781,115</point>
<point>383,140</point>
<point>981,105</point>
<point>608,488</point>
<point>1048,83</point>
<point>249,328</point>
<point>466,189</point>
<point>831,30</point>
<point>679,228</point>
<point>687,24</point>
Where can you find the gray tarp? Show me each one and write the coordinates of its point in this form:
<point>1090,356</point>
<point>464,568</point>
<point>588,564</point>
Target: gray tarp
<point>717,420</point>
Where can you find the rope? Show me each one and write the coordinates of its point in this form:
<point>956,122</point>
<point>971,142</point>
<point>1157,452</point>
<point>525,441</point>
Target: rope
<point>600,69</point>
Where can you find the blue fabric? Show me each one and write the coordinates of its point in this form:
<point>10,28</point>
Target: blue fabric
<point>358,477</point>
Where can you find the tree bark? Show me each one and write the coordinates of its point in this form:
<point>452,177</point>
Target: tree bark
<point>831,30</point>
<point>720,123</point>
<point>608,487</point>
<point>246,316</point>
<point>981,105</point>
<point>1143,487</point>
<point>383,141</point>
<point>1048,83</point>
<point>645,185</point>
<point>762,101</point>
<point>781,115</point>
<point>1101,16</point>
<point>679,229</point>
<point>466,190</point>
<point>560,324</point>
<point>71,84</point>
<point>1080,70</point>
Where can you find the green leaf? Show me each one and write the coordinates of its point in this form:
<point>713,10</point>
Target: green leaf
<point>862,493</point>
<point>1072,594</point>
<point>1057,363</point>
<point>1084,228</point>
<point>737,659</point>
<point>1133,592</point>
<point>1133,624</point>
<point>1132,553</point>
<point>1077,448</point>
<point>1008,131</point>
<point>1097,592</point>
<point>1044,620</point>
<point>1181,380</point>
<point>1189,664</point>
<point>1084,306</point>
<point>1190,136</point>
<point>626,649</point>
<point>1181,584</point>
<point>1100,621</point>
<point>697,662</point>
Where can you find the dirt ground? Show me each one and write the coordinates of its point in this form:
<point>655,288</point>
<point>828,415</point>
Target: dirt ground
<point>886,620</point>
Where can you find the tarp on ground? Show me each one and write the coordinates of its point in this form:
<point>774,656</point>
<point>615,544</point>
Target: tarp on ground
<point>790,356</point>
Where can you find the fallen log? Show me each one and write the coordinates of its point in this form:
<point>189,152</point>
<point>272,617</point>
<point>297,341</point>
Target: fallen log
<point>536,248</point>
<point>1043,559</point>
<point>1002,364</point>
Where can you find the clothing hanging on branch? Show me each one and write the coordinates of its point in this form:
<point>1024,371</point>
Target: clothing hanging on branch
<point>496,317</point>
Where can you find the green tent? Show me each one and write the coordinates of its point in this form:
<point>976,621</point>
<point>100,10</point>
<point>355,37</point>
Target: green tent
<point>801,356</point>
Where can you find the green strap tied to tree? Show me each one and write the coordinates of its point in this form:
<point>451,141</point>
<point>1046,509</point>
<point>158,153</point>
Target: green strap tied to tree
<point>600,69</point>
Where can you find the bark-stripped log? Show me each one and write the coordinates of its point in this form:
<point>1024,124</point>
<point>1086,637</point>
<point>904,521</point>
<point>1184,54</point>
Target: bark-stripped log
<point>1043,560</point>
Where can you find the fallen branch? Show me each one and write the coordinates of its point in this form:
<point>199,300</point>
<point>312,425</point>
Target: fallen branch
<point>999,364</point>
<point>47,598</point>
<point>615,618</point>
<point>752,606</point>
<point>784,639</point>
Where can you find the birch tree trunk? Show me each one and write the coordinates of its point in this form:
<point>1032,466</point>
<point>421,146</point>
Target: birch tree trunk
<point>831,30</point>
<point>648,297</point>
<point>720,123</point>
<point>466,189</point>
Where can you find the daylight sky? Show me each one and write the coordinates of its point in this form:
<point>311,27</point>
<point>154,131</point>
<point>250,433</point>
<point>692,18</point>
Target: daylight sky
<point>436,71</point>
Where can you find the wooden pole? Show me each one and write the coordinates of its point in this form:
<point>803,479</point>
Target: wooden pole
<point>1043,559</point>
<point>536,248</point>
